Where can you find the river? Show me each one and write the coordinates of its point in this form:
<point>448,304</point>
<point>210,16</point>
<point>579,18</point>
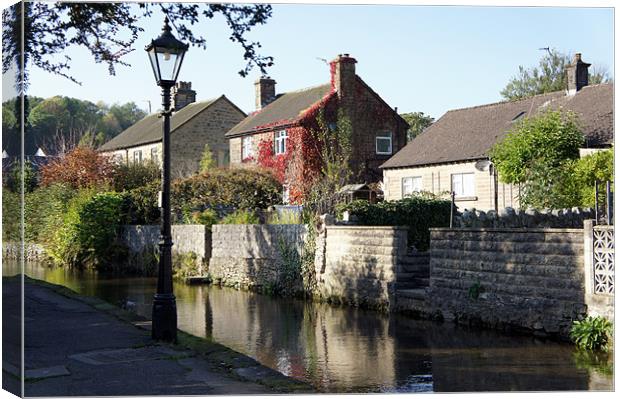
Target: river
<point>341,349</point>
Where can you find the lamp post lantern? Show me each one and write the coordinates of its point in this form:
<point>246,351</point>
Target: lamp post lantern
<point>166,55</point>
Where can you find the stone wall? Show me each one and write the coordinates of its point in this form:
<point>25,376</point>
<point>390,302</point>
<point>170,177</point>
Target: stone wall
<point>526,279</point>
<point>32,252</point>
<point>208,127</point>
<point>509,217</point>
<point>251,256</point>
<point>187,238</point>
<point>358,264</point>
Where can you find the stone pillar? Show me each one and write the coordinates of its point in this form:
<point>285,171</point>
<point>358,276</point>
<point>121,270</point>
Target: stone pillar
<point>588,256</point>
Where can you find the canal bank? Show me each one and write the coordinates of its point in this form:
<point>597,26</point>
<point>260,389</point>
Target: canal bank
<point>82,346</point>
<point>347,349</point>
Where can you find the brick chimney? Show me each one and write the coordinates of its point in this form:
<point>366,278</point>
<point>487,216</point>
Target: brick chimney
<point>265,88</point>
<point>343,75</point>
<point>182,94</point>
<point>577,74</point>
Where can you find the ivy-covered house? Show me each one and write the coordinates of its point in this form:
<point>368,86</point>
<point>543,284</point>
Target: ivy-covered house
<point>280,125</point>
<point>193,124</point>
<point>452,154</point>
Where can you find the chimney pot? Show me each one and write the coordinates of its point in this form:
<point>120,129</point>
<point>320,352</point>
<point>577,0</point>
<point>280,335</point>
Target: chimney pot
<point>577,74</point>
<point>182,95</point>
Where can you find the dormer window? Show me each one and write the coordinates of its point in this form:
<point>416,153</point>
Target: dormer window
<point>518,116</point>
<point>281,138</point>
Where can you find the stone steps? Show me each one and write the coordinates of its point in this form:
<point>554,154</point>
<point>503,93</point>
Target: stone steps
<point>412,293</point>
<point>414,283</point>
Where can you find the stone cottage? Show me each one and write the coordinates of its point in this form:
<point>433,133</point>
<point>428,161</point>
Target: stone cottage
<point>193,124</point>
<point>451,154</point>
<point>377,131</point>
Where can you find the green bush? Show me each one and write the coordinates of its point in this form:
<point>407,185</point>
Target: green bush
<point>43,211</point>
<point>208,217</point>
<point>232,188</point>
<point>140,204</point>
<point>419,213</point>
<point>592,333</point>
<point>135,175</point>
<point>87,235</point>
<point>11,211</point>
<point>241,216</point>
<point>598,166</point>
<point>284,217</point>
<point>14,178</point>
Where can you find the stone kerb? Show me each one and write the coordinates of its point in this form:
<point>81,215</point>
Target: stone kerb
<point>530,279</point>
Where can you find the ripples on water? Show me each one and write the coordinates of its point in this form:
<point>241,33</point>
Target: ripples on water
<point>348,349</point>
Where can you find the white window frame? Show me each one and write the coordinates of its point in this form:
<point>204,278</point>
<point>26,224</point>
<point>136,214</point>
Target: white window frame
<point>281,137</point>
<point>247,147</point>
<point>155,155</point>
<point>137,156</point>
<point>460,188</point>
<point>286,194</point>
<point>414,181</point>
<point>380,137</point>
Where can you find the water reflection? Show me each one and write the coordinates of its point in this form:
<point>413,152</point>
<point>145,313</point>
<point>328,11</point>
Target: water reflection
<point>344,349</point>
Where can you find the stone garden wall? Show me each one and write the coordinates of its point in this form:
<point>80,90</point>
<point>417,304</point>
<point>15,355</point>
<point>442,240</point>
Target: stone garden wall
<point>187,238</point>
<point>358,264</point>
<point>32,252</point>
<point>251,256</point>
<point>530,279</point>
<point>532,218</point>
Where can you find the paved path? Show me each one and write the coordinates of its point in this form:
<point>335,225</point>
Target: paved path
<point>75,348</point>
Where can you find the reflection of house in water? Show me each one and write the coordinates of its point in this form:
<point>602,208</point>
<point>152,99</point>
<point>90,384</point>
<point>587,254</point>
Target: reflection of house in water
<point>339,348</point>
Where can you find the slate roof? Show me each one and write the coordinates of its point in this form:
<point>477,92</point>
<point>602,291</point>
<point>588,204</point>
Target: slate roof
<point>149,129</point>
<point>287,108</point>
<point>469,133</point>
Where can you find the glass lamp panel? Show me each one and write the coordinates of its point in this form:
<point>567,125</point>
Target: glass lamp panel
<point>167,60</point>
<point>153,59</point>
<point>177,65</point>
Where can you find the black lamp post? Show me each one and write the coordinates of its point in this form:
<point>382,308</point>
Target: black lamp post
<point>166,54</point>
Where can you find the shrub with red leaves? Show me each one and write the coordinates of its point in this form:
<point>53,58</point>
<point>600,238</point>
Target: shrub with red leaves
<point>79,168</point>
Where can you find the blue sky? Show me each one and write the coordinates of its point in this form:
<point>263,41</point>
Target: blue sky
<point>428,59</point>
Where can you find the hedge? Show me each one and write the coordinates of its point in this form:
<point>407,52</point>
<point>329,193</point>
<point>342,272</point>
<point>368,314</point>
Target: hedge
<point>416,212</point>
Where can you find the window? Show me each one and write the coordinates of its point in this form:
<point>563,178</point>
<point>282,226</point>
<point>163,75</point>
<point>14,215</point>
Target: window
<point>155,155</point>
<point>247,149</point>
<point>383,143</point>
<point>463,184</point>
<point>118,158</point>
<point>137,156</point>
<point>281,138</point>
<point>411,184</point>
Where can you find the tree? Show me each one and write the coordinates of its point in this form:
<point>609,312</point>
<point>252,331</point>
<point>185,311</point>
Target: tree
<point>110,30</point>
<point>79,168</point>
<point>417,123</point>
<point>598,166</point>
<point>58,124</point>
<point>549,76</point>
<point>537,153</point>
<point>206,162</point>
